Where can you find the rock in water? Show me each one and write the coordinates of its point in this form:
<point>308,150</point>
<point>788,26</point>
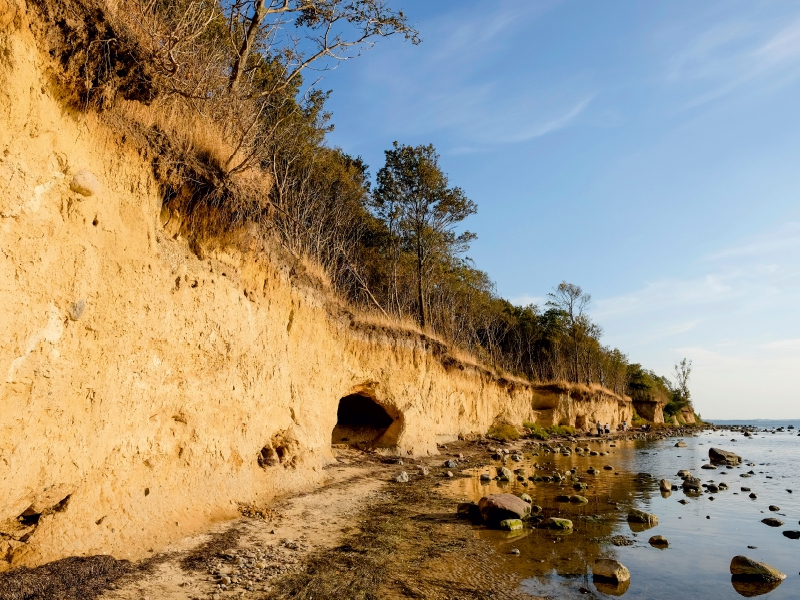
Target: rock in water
<point>774,508</point>
<point>609,569</point>
<point>511,525</point>
<point>554,523</point>
<point>680,444</point>
<point>719,456</point>
<point>665,486</point>
<point>499,507</point>
<point>659,541</point>
<point>747,569</point>
<point>692,484</point>
<point>526,498</point>
<point>772,522</point>
<point>577,499</point>
<point>792,535</point>
<point>639,516</point>
<point>504,474</point>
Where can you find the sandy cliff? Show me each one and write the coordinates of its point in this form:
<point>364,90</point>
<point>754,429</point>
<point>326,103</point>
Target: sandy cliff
<point>144,391</point>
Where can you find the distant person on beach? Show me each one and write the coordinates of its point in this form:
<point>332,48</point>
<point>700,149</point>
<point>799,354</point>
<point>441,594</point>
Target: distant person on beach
<point>599,429</point>
<point>608,429</point>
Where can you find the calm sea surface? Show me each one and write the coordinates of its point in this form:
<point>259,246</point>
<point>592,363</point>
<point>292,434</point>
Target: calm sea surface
<point>704,535</point>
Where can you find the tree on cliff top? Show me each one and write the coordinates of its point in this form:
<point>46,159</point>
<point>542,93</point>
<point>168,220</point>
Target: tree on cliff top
<point>414,199</point>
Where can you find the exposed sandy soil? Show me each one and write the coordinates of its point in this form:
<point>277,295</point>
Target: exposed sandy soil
<point>359,535</point>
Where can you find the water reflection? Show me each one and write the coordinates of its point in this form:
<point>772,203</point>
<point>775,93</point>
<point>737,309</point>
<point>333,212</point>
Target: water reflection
<point>612,589</point>
<point>701,534</point>
<point>749,589</point>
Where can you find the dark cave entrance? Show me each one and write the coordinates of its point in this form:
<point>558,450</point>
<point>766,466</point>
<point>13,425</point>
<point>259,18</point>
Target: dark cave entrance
<point>360,421</point>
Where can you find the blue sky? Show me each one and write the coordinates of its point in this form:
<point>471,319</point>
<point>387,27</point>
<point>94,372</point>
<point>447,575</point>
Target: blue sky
<point>647,151</point>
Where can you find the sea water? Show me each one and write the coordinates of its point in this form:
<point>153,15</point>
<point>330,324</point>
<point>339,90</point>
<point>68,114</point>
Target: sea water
<point>704,534</point>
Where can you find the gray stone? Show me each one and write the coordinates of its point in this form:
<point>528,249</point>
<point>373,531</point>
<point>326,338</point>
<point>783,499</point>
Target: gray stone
<point>665,486</point>
<point>499,507</point>
<point>792,535</point>
<point>511,525</point>
<point>402,478</point>
<point>639,516</point>
<point>85,183</point>
<point>692,484</point>
<point>719,456</point>
<point>774,508</point>
<point>451,464</point>
<point>772,522</point>
<point>609,569</point>
<point>554,523</point>
<point>747,569</point>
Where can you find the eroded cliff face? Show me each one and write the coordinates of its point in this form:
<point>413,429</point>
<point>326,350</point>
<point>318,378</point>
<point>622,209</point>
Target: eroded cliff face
<point>144,392</point>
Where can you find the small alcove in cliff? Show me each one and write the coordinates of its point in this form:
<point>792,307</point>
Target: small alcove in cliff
<point>360,421</point>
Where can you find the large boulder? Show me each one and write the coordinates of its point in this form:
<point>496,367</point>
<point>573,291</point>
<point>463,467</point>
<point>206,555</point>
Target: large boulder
<point>747,569</point>
<point>719,456</point>
<point>499,507</point>
<point>665,485</point>
<point>608,569</point>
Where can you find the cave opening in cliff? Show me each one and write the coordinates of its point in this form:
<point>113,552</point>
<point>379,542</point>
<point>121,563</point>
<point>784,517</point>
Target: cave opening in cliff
<point>360,421</point>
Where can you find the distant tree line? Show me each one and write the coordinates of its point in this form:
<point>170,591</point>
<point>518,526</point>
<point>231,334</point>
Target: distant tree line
<point>242,145</point>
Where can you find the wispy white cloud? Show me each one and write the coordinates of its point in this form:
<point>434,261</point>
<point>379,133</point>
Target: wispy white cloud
<point>792,344</point>
<point>728,56</point>
<point>465,86</point>
<point>785,238</point>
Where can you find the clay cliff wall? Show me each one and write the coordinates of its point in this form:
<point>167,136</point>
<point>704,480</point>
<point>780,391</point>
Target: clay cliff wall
<point>145,392</point>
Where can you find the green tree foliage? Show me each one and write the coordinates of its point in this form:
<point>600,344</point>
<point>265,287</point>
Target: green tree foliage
<point>415,202</point>
<point>228,92</point>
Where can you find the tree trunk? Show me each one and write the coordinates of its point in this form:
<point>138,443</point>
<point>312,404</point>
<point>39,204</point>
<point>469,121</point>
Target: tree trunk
<point>420,297</point>
<point>247,44</point>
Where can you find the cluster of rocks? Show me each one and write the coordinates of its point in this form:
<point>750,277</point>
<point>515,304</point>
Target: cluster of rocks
<point>510,513</point>
<point>250,569</point>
